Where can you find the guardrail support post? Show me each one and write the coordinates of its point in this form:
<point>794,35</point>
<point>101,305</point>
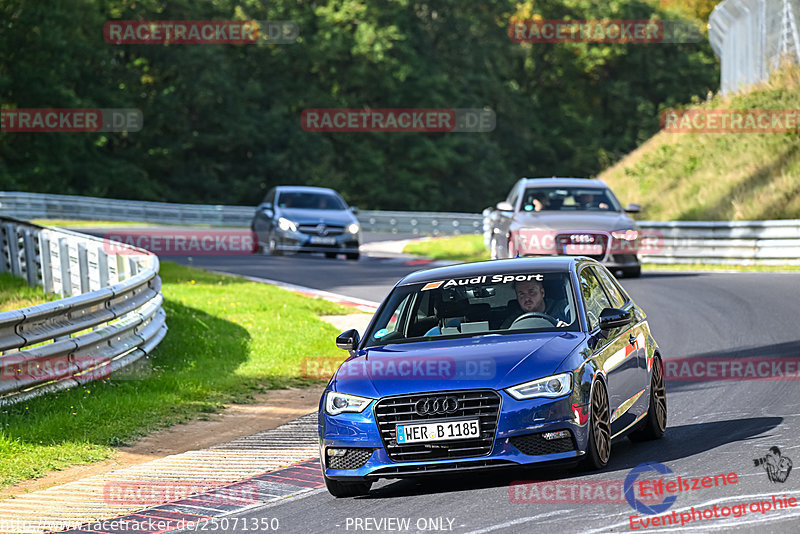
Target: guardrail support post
<point>102,267</point>
<point>13,249</point>
<point>66,276</point>
<point>83,268</point>
<point>31,263</point>
<point>47,271</point>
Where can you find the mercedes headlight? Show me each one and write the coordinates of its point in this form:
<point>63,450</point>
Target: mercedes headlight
<point>626,235</point>
<point>552,386</point>
<point>286,225</point>
<point>353,228</point>
<point>336,403</point>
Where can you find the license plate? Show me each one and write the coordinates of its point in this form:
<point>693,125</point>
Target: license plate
<point>438,431</point>
<point>583,250</point>
<point>317,240</point>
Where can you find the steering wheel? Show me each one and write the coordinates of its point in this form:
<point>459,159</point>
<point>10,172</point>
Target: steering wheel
<point>530,315</point>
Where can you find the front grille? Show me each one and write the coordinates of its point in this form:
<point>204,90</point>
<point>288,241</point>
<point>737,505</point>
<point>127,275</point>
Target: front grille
<point>596,239</point>
<point>623,258</point>
<point>410,470</point>
<point>392,411</point>
<point>353,459</point>
<point>314,229</point>
<point>535,444</point>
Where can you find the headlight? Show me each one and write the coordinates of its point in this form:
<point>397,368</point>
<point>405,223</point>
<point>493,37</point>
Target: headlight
<point>336,403</point>
<point>626,235</point>
<point>353,228</point>
<point>552,386</point>
<point>286,225</point>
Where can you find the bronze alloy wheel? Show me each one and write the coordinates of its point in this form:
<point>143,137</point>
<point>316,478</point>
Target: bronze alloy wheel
<point>659,395</point>
<point>601,428</point>
<point>655,422</point>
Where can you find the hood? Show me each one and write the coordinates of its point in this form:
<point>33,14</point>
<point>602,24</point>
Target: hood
<point>495,362</point>
<point>306,216</point>
<point>576,220</point>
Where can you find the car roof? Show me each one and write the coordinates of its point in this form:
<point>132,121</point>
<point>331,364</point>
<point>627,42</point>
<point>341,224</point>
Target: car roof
<point>565,182</point>
<point>510,266</point>
<point>303,189</point>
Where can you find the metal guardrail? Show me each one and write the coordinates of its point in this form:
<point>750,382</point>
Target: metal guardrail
<point>733,243</point>
<point>46,206</point>
<point>752,37</point>
<point>110,315</point>
<point>754,242</point>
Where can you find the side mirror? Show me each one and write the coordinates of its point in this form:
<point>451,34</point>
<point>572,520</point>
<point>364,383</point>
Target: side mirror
<point>505,206</point>
<point>611,318</point>
<point>348,340</point>
<point>354,210</point>
<point>633,208</point>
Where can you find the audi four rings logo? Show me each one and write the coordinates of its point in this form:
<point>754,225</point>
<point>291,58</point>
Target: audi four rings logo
<point>436,405</point>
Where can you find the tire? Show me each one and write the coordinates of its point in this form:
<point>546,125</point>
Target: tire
<point>347,489</point>
<point>353,256</point>
<point>655,422</point>
<point>598,451</point>
<point>330,255</point>
<point>272,247</point>
<point>632,272</point>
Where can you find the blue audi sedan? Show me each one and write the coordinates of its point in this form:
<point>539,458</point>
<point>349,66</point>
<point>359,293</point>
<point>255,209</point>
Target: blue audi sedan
<point>491,364</point>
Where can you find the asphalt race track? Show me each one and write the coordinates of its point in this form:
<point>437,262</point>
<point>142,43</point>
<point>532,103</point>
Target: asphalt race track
<point>714,427</point>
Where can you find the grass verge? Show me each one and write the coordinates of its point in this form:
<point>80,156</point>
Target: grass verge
<point>458,248</point>
<point>721,177</point>
<point>15,294</point>
<point>228,338</point>
<point>71,223</point>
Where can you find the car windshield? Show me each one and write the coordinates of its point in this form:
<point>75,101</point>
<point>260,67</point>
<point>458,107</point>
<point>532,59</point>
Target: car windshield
<point>569,199</point>
<point>479,305</point>
<point>310,201</point>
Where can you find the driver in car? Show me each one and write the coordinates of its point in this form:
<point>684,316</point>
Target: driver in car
<point>530,295</point>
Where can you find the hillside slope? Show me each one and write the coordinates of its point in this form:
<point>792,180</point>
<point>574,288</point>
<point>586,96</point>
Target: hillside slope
<point>732,176</point>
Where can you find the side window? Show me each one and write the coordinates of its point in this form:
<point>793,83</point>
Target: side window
<point>616,296</point>
<point>594,298</point>
<point>394,320</point>
<point>512,197</point>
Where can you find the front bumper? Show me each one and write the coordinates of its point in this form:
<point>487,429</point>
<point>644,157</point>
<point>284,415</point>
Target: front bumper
<point>345,243</point>
<point>516,441</point>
